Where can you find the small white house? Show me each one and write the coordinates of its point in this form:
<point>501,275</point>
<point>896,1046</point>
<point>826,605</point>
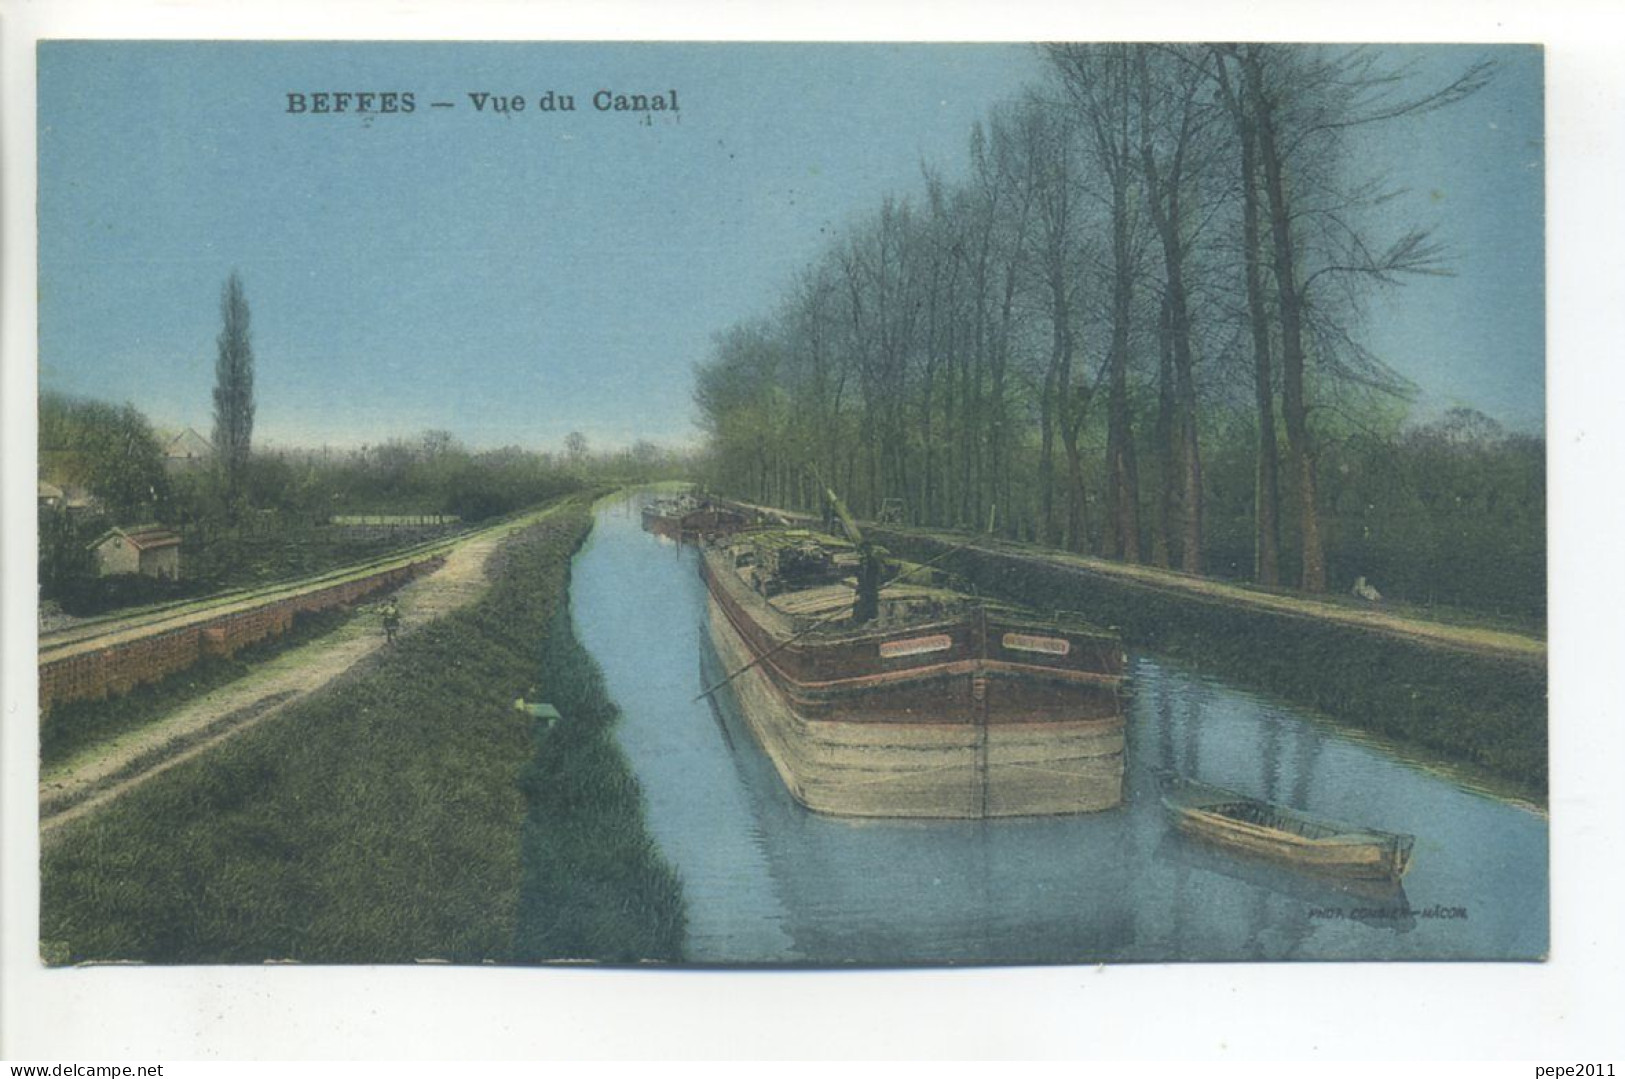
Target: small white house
<point>149,550</point>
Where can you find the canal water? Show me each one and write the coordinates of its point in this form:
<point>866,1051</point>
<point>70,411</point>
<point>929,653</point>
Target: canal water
<point>768,882</point>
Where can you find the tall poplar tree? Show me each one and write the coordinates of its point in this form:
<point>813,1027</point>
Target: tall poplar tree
<point>233,392</point>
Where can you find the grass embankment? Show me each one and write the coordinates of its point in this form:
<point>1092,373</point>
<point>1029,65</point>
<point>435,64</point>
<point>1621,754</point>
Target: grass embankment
<point>242,561</point>
<point>77,725</point>
<point>594,884</point>
<point>250,561</point>
<point>1486,709</point>
<point>382,820</point>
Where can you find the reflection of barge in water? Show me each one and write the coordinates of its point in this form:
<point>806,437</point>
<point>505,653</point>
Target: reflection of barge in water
<point>903,892</point>
<point>917,701</point>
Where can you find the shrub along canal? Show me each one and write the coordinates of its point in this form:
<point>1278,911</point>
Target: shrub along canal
<point>765,881</point>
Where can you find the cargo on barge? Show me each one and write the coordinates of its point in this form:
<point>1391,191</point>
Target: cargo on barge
<point>911,698</point>
<point>686,518</point>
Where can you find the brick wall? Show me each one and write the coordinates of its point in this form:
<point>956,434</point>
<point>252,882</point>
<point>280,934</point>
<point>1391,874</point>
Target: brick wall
<point>121,667</point>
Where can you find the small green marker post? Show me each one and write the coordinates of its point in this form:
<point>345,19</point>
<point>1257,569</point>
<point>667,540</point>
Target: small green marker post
<point>542,711</point>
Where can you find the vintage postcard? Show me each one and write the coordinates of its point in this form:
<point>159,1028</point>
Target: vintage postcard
<point>782,548</point>
<point>791,505</point>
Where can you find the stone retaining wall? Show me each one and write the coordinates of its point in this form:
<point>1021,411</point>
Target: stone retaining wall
<point>118,668</point>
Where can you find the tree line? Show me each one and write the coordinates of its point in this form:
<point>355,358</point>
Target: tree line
<point>1132,328</point>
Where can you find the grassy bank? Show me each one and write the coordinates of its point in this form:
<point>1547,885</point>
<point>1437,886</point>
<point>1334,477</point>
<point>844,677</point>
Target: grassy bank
<point>250,561</point>
<point>1487,711</point>
<point>594,885</point>
<point>382,820</point>
<point>238,560</point>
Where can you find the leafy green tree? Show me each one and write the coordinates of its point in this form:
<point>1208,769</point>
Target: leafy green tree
<point>64,560</point>
<point>110,450</point>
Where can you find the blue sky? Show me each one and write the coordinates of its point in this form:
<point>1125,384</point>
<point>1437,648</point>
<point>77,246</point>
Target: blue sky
<point>511,278</point>
<point>1475,173</point>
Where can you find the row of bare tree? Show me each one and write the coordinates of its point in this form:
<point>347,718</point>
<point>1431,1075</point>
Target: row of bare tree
<point>1158,242</point>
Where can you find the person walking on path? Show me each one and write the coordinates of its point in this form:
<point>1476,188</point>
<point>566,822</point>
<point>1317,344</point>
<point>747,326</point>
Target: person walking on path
<point>392,619</point>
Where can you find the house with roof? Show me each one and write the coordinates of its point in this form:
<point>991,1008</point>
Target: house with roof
<point>148,550</point>
<point>65,497</point>
<point>187,451</point>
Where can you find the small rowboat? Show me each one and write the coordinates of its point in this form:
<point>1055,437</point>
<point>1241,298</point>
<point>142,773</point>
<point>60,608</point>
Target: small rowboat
<point>1247,825</point>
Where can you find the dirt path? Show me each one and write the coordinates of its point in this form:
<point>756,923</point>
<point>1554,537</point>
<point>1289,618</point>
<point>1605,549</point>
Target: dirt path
<point>91,779</point>
<point>1478,640</point>
<point>1502,644</point>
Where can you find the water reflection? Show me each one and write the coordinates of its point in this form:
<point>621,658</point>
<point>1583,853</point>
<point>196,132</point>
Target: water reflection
<point>768,882</point>
<point>868,891</point>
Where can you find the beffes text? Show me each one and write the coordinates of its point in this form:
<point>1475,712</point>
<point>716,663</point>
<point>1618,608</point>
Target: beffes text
<point>402,102</point>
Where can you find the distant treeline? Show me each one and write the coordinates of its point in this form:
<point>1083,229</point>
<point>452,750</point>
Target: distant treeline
<point>1133,329</point>
<point>431,473</point>
<point>111,465</point>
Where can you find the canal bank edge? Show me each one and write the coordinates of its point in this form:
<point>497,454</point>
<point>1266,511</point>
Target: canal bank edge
<point>1482,706</point>
<point>1478,697</point>
<point>380,821</point>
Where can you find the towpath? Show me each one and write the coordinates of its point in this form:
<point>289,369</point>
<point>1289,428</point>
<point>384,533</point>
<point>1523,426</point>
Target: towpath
<point>1479,640</point>
<point>104,772</point>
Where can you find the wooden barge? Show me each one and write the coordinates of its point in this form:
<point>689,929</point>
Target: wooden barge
<point>687,518</point>
<point>931,705</point>
<point>1250,826</point>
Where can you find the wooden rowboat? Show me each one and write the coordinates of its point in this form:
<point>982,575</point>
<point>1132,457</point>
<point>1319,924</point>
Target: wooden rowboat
<point>1258,828</point>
